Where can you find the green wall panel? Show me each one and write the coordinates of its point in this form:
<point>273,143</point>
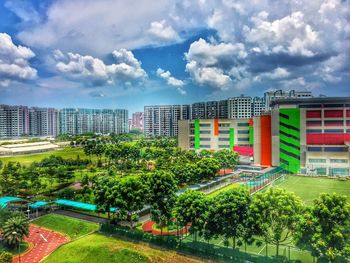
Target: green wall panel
<point>251,135</point>
<point>289,127</point>
<point>196,135</point>
<point>232,138</point>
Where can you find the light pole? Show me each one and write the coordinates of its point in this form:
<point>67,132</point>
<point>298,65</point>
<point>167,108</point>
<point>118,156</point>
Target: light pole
<point>28,211</point>
<point>19,243</point>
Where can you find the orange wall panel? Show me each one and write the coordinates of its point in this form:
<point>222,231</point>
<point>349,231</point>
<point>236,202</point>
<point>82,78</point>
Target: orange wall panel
<point>216,127</point>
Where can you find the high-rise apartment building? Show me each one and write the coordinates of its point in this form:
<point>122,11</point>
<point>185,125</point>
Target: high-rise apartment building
<point>14,121</point>
<point>137,121</point>
<point>258,106</point>
<point>198,110</point>
<point>223,109</point>
<point>43,121</point>
<point>282,94</point>
<point>163,120</point>
<point>240,107</point>
<point>79,121</point>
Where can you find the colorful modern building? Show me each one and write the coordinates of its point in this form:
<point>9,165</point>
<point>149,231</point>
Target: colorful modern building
<point>302,135</point>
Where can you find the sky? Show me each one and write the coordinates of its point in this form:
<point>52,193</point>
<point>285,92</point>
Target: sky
<point>132,53</point>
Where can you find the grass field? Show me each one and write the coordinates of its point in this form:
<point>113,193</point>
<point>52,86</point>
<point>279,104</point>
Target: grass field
<point>309,188</point>
<point>99,248</point>
<point>224,189</point>
<point>73,228</point>
<point>29,158</point>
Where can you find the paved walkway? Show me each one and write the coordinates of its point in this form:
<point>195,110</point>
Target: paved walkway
<point>43,242</point>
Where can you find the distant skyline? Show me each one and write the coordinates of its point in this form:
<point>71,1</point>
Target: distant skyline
<point>127,54</point>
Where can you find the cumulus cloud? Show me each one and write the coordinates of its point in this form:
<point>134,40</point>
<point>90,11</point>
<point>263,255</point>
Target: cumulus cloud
<point>163,32</point>
<point>14,61</point>
<point>95,72</point>
<point>216,65</point>
<point>172,81</point>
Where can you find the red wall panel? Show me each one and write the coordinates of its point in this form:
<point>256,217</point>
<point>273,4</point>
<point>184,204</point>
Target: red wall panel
<point>313,114</point>
<point>265,133</point>
<point>333,113</point>
<point>347,113</point>
<point>250,121</point>
<point>327,138</point>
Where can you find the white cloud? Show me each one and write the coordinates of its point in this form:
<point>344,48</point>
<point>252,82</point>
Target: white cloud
<point>171,80</point>
<point>94,71</point>
<point>14,62</point>
<point>291,35</point>
<point>160,30</point>
<point>216,65</point>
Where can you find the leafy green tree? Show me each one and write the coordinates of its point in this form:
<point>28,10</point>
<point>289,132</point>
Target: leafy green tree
<point>191,207</point>
<point>130,195</point>
<point>226,158</point>
<point>208,167</point>
<point>5,257</point>
<point>325,227</point>
<point>277,214</point>
<point>10,175</point>
<point>162,196</point>
<point>229,214</point>
<point>15,229</point>
<point>103,193</point>
<point>184,172</point>
<point>1,164</point>
<point>4,215</point>
<point>205,154</point>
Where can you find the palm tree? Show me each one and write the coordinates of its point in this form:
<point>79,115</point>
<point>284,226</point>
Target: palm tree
<point>15,229</point>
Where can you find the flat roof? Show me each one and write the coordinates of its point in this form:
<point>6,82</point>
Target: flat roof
<point>7,199</point>
<point>313,100</point>
<point>79,205</point>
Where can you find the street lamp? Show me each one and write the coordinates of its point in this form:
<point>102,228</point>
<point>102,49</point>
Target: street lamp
<point>19,243</point>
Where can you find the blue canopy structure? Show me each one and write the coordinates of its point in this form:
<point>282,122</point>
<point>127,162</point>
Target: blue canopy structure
<point>79,205</point>
<point>38,204</point>
<point>7,199</point>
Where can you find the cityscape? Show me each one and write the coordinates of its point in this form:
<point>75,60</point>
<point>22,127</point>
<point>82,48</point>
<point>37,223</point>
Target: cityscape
<point>174,131</point>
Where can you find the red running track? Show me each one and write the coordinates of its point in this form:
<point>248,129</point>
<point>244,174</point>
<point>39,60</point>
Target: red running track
<point>42,242</point>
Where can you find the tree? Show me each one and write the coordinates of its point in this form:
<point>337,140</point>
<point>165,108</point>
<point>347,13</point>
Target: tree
<point>5,257</point>
<point>162,196</point>
<point>324,228</point>
<point>103,193</point>
<point>229,214</point>
<point>184,172</point>
<point>1,164</point>
<point>15,229</point>
<point>226,158</point>
<point>130,196</point>
<point>276,213</point>
<point>191,207</point>
<point>208,167</point>
<point>10,175</point>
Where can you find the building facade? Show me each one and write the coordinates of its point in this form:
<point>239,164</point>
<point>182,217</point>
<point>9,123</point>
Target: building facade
<point>137,121</point>
<point>240,107</point>
<point>213,134</point>
<point>163,120</point>
<point>43,121</point>
<point>14,121</point>
<point>270,96</point>
<point>105,121</point>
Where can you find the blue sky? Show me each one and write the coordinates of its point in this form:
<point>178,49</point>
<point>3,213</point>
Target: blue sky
<point>127,54</point>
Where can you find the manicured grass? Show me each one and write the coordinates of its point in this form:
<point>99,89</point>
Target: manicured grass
<point>99,248</point>
<point>224,189</point>
<point>27,159</point>
<point>309,188</point>
<point>73,228</point>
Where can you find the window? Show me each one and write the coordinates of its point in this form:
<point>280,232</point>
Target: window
<point>314,149</point>
<point>313,123</point>
<point>334,131</point>
<point>339,161</point>
<point>204,132</point>
<point>224,131</point>
<point>204,125</point>
<point>339,171</point>
<point>333,123</point>
<point>317,160</point>
<point>313,131</point>
<point>243,124</point>
<point>224,146</point>
<point>224,125</point>
<point>243,139</point>
<point>335,149</point>
<point>205,139</point>
<point>243,131</point>
<point>204,146</point>
<point>224,139</point>
<point>321,171</point>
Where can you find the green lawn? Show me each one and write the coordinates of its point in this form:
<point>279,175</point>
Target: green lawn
<point>29,158</point>
<point>100,248</point>
<point>73,228</point>
<point>224,189</point>
<point>309,188</point>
